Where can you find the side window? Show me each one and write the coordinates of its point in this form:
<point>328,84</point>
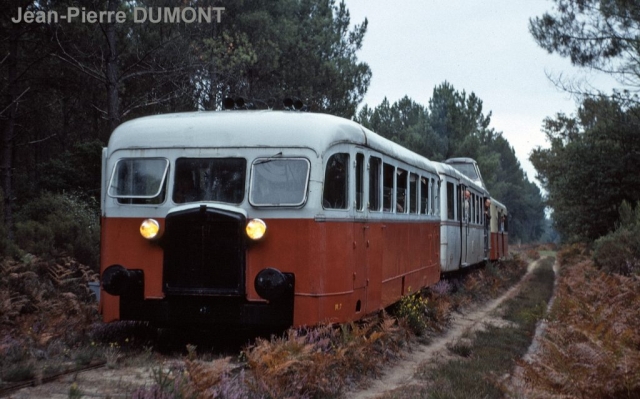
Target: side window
<point>413,192</point>
<point>434,193</point>
<point>401,191</point>
<point>374,183</point>
<point>387,189</point>
<point>472,211</point>
<point>336,182</point>
<point>459,196</point>
<point>424,196</point>
<point>436,197</point>
<point>359,182</point>
<point>450,201</point>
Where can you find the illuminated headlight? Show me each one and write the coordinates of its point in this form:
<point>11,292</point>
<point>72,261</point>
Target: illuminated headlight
<point>149,229</point>
<point>256,229</point>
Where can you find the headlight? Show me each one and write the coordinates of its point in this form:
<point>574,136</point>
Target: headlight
<point>256,229</point>
<point>149,229</point>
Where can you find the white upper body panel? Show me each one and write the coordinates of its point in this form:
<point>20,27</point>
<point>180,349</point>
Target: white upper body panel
<point>251,135</point>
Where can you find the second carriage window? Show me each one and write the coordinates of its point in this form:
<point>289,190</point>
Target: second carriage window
<point>401,191</point>
<point>387,190</point>
<point>359,182</point>
<point>374,183</point>
<point>413,191</point>
<point>336,182</point>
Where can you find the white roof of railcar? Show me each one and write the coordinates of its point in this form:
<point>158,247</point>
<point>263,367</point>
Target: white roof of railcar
<point>448,170</point>
<point>267,129</point>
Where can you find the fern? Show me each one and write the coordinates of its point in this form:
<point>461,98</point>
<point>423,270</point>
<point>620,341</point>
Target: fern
<point>592,344</point>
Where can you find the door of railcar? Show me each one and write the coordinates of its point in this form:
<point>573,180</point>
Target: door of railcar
<point>450,231</point>
<point>465,207</point>
<point>361,227</point>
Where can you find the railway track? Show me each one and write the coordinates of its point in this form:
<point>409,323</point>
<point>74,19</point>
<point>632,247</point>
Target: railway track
<point>5,391</point>
<point>133,371</point>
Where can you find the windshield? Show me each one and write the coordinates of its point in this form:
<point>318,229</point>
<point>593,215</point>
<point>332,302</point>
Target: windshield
<point>467,169</point>
<point>139,178</point>
<point>209,179</point>
<point>279,182</point>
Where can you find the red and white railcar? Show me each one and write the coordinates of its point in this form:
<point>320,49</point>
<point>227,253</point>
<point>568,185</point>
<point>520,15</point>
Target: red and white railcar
<point>262,218</point>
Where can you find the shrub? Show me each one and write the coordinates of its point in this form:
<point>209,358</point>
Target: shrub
<point>57,224</point>
<point>413,308</point>
<point>619,251</point>
<point>7,247</point>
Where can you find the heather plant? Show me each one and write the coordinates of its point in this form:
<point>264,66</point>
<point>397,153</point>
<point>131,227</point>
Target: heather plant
<point>219,379</point>
<point>322,361</point>
<point>442,287</point>
<point>169,384</point>
<point>85,355</point>
<point>111,354</point>
<point>231,386</point>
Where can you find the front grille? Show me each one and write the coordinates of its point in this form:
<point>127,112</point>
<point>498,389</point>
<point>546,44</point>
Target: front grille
<point>204,252</point>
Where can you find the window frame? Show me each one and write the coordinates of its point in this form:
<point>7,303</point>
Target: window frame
<point>451,200</point>
<point>161,187</point>
<point>360,171</point>
<point>285,205</point>
<point>378,179</point>
<point>347,192</point>
<point>187,158</point>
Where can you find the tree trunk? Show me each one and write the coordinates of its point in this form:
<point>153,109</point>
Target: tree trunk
<point>9,131</point>
<point>113,99</point>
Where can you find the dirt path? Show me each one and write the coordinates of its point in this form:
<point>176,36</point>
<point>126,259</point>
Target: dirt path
<point>470,319</point>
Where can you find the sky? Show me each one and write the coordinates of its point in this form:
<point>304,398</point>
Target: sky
<point>483,47</point>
